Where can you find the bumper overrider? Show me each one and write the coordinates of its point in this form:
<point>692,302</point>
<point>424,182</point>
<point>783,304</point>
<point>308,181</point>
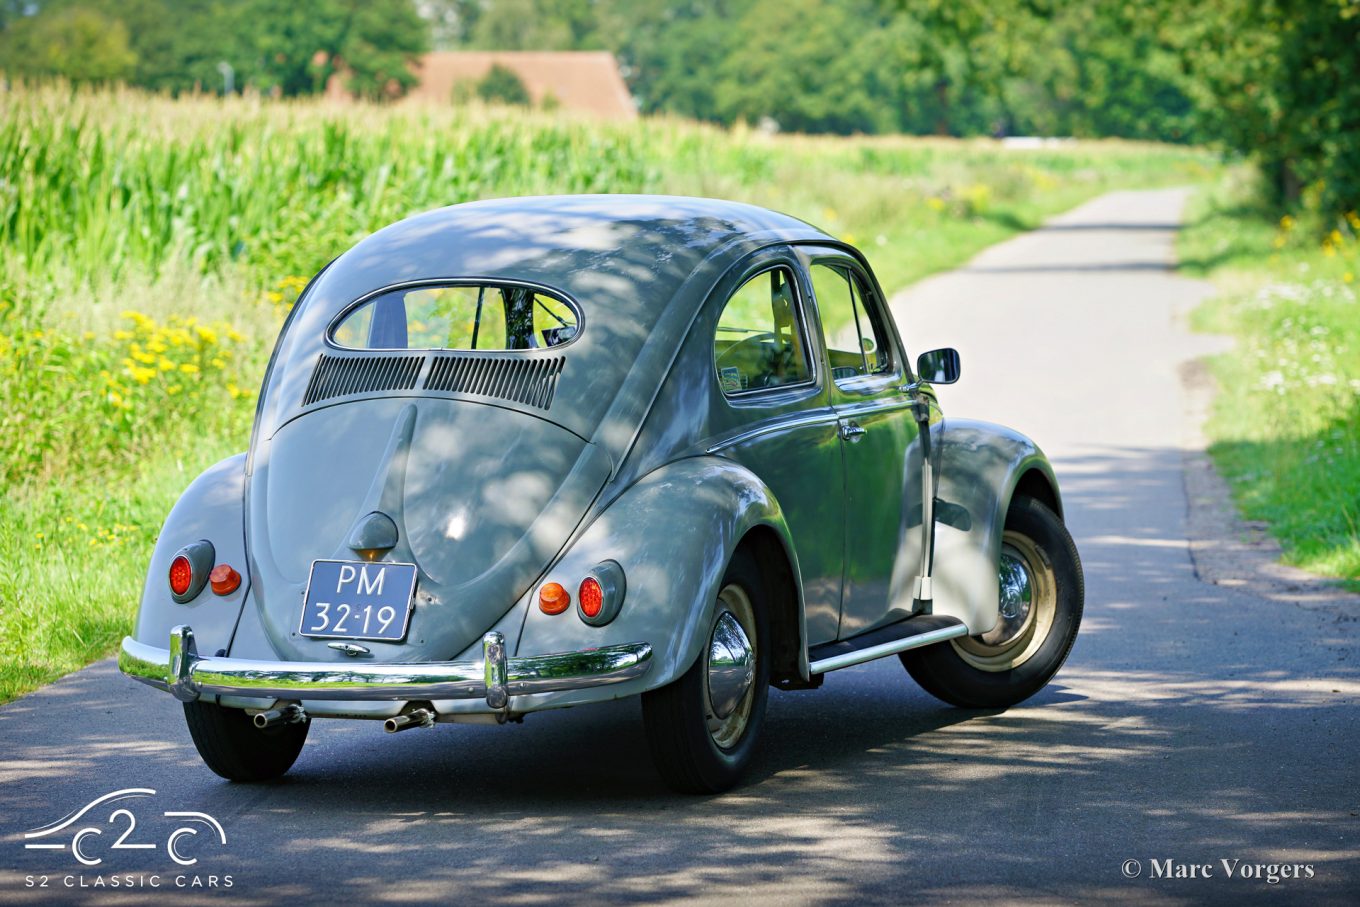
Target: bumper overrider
<point>186,675</point>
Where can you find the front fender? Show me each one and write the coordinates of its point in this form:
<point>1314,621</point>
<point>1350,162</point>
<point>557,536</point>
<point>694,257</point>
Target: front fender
<point>673,532</point>
<point>979,467</point>
<point>210,508</point>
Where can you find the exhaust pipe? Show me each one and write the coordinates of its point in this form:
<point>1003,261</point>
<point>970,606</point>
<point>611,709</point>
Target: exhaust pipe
<point>408,720</point>
<point>288,714</point>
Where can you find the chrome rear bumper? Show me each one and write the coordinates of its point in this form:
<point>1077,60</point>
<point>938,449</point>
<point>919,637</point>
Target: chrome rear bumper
<point>186,675</point>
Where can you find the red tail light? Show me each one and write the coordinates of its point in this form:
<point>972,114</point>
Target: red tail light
<point>600,595</point>
<point>181,575</point>
<point>189,570</point>
<point>591,597</point>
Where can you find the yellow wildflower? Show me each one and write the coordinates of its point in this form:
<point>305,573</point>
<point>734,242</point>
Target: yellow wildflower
<point>173,389</point>
<point>166,365</point>
<point>189,368</point>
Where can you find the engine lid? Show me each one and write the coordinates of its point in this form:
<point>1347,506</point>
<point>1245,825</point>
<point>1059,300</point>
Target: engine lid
<point>479,497</point>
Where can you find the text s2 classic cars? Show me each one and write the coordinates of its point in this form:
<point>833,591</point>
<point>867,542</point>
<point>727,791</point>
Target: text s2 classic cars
<point>531,453</point>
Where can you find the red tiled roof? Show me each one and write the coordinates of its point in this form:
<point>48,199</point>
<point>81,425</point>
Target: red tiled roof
<point>586,81</point>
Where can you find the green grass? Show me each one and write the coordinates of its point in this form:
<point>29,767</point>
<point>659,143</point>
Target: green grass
<point>1285,428</point>
<point>149,249</point>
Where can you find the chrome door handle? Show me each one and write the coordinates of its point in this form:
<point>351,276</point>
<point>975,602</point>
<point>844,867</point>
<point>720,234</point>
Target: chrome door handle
<point>851,431</point>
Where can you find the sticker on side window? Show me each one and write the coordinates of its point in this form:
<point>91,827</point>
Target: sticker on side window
<point>730,378</point>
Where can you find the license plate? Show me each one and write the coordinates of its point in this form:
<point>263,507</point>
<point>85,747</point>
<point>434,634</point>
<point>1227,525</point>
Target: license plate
<point>358,600</point>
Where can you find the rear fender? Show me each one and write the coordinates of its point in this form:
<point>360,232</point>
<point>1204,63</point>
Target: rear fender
<point>210,508</point>
<point>673,533</point>
<point>980,466</point>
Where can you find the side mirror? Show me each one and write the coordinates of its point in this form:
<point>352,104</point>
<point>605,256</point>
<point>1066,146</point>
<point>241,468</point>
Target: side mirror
<point>938,366</point>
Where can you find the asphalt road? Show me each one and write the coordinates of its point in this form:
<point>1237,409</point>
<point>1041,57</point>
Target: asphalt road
<point>1195,723</point>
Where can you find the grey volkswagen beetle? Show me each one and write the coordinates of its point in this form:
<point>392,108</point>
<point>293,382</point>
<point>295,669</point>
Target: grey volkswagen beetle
<point>532,453</point>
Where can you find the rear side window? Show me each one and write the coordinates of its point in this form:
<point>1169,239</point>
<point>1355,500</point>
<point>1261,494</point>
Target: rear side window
<point>464,317</point>
<point>760,342</point>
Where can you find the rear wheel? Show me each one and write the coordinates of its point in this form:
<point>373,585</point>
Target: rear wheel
<point>234,748</point>
<point>703,727</point>
<point>1042,595</point>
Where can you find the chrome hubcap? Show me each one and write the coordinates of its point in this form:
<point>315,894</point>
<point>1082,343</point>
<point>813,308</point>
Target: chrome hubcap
<point>1028,606</point>
<point>730,667</point>
<point>1017,599</point>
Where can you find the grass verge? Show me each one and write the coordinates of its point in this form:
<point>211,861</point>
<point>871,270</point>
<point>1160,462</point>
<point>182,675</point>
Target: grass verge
<point>1285,428</point>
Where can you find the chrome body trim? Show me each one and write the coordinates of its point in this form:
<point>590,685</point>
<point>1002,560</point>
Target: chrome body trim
<point>186,675</point>
<point>888,648</point>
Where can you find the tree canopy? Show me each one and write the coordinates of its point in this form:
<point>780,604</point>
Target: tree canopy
<point>1275,80</point>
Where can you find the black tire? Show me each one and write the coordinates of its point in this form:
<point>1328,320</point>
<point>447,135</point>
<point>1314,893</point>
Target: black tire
<point>679,722</point>
<point>234,748</point>
<point>972,674</point>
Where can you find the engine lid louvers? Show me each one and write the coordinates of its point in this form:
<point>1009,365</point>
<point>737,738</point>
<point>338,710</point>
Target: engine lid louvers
<point>337,376</point>
<point>527,380</point>
<point>530,381</point>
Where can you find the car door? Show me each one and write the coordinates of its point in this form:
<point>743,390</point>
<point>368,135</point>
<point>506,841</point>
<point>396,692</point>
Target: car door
<point>777,420</point>
<point>878,435</point>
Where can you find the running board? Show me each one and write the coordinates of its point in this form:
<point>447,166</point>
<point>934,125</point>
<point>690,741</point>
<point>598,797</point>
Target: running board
<point>921,630</point>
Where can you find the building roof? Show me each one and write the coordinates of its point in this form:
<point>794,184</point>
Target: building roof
<point>584,81</point>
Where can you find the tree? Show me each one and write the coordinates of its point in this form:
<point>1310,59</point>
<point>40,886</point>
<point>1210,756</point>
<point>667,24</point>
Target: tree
<point>295,47</point>
<point>1279,80</point>
<point>76,43</point>
<point>502,86</point>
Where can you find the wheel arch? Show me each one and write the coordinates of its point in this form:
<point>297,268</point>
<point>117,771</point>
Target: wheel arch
<point>674,532</point>
<point>788,653</point>
<point>981,467</point>
<point>1038,483</point>
<point>211,508</point>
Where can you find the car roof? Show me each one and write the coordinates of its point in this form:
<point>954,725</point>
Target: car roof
<point>640,266</point>
<point>582,244</point>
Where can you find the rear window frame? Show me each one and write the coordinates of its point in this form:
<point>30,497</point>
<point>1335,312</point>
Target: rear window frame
<point>438,282</point>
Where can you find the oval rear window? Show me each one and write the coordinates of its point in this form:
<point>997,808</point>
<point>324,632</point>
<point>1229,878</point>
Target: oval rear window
<point>459,317</point>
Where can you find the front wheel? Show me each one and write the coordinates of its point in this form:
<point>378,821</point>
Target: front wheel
<point>1042,595</point>
<point>234,748</point>
<point>702,728</point>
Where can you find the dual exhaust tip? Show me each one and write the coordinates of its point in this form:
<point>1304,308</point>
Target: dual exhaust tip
<point>294,714</point>
<point>407,720</point>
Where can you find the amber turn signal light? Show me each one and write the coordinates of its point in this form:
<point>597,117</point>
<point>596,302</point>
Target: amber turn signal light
<point>224,579</point>
<point>553,599</point>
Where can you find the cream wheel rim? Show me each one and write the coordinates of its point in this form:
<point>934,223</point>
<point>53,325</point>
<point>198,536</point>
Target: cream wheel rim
<point>1028,606</point>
